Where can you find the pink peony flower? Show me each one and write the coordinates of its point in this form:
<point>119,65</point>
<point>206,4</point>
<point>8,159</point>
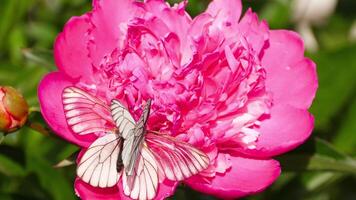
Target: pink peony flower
<point>226,84</point>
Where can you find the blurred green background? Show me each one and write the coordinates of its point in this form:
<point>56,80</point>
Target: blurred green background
<point>322,169</point>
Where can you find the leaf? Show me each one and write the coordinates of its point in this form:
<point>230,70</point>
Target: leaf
<point>69,160</point>
<point>51,179</point>
<point>10,167</point>
<point>325,158</point>
<point>276,13</point>
<point>316,162</point>
<point>345,139</point>
<point>64,163</point>
<point>319,181</point>
<point>41,57</point>
<point>337,84</point>
<point>2,137</point>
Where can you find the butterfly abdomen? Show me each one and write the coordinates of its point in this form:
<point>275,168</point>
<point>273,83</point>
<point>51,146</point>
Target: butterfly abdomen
<point>120,163</point>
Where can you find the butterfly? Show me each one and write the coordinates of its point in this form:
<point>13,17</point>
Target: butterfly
<point>126,149</point>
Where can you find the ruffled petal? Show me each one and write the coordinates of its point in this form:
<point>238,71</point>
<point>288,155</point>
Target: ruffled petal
<point>88,192</point>
<point>255,32</point>
<point>50,97</point>
<point>109,19</point>
<point>291,78</point>
<point>227,10</point>
<point>176,19</point>
<point>246,176</point>
<point>287,128</point>
<point>70,48</point>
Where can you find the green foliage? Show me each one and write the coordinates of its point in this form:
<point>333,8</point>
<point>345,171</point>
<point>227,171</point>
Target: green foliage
<point>323,168</point>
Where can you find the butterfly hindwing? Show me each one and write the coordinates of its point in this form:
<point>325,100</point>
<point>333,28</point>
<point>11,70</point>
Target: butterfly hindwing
<point>98,165</point>
<point>143,183</point>
<point>86,114</point>
<point>177,160</point>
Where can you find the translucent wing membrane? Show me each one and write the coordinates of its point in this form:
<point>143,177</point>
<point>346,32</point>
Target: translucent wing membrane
<point>143,183</point>
<point>122,117</point>
<point>86,114</point>
<point>98,166</point>
<point>177,160</point>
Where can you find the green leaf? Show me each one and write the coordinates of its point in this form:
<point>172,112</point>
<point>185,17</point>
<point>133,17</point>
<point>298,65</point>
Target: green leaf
<point>276,13</point>
<point>324,158</point>
<point>40,56</point>
<point>345,139</point>
<point>9,167</point>
<point>316,162</point>
<point>319,181</point>
<point>2,137</point>
<point>51,179</point>
<point>337,83</point>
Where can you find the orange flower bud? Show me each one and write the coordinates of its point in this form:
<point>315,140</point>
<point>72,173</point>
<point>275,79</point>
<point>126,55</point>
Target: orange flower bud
<point>13,109</point>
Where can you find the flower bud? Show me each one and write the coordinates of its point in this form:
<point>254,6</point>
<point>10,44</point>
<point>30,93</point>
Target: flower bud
<point>13,109</point>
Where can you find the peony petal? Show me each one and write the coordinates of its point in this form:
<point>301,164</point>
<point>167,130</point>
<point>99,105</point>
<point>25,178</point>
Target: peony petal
<point>176,19</point>
<point>110,18</point>
<point>87,192</point>
<point>246,176</point>
<point>255,32</point>
<point>70,48</point>
<point>227,10</point>
<point>291,78</point>
<point>50,97</point>
<point>165,190</point>
<point>287,128</point>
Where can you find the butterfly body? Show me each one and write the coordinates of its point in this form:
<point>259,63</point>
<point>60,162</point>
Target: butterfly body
<point>119,163</point>
<point>127,150</point>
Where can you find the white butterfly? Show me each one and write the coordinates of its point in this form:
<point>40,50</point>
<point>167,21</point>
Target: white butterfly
<point>127,149</point>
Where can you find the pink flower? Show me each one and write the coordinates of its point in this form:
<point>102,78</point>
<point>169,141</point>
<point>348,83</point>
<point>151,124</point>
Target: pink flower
<point>228,85</point>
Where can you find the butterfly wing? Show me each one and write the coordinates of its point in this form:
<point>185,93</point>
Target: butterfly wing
<point>143,183</point>
<point>98,165</point>
<point>123,119</point>
<point>133,141</point>
<point>177,160</point>
<point>86,114</point>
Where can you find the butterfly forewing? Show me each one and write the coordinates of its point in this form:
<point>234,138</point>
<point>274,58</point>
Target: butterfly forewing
<point>123,119</point>
<point>98,165</point>
<point>86,114</point>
